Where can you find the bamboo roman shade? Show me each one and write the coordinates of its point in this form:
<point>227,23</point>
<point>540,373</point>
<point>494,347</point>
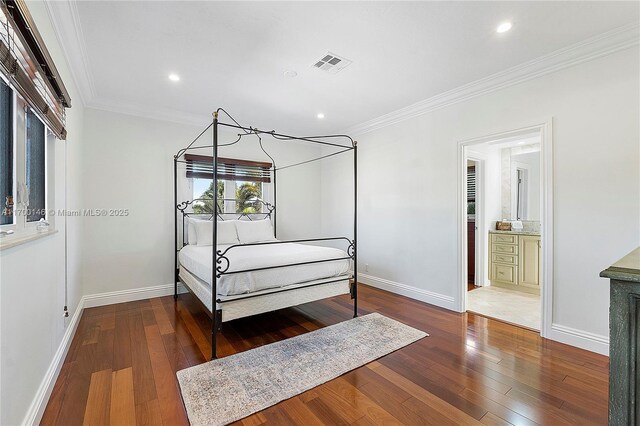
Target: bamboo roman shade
<point>27,65</point>
<point>201,166</point>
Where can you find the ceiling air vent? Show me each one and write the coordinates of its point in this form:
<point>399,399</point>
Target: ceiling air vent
<point>332,63</point>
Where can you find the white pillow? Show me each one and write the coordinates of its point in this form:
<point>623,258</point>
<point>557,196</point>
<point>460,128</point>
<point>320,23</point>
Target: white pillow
<point>192,235</point>
<point>226,232</point>
<point>254,231</point>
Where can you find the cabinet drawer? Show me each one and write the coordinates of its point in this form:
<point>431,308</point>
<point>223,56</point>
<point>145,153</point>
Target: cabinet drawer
<point>505,239</point>
<point>504,273</point>
<point>504,258</point>
<point>504,249</point>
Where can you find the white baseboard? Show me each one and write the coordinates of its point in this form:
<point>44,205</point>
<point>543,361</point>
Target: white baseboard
<point>122,296</point>
<point>580,339</point>
<point>570,336</point>
<point>422,295</point>
<point>39,403</point>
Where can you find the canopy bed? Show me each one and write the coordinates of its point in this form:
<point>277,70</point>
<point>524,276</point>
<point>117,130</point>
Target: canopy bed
<point>254,271</point>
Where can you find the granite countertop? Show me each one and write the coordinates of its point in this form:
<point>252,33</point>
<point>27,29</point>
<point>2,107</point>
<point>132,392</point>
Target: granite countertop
<point>625,269</point>
<point>532,233</point>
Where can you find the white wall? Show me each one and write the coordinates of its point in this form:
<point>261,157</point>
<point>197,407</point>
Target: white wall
<point>408,178</point>
<point>32,274</point>
<point>128,164</point>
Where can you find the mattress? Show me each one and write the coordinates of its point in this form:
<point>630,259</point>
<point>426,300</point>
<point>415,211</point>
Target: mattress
<point>197,260</point>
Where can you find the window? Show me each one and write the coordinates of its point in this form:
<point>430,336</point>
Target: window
<point>33,101</point>
<point>240,184</point>
<point>23,166</point>
<point>203,195</point>
<point>471,190</point>
<point>35,168</point>
<point>238,196</point>
<point>6,154</point>
<point>246,195</point>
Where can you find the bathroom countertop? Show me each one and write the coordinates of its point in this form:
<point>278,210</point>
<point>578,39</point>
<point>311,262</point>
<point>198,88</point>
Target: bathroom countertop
<point>532,233</point>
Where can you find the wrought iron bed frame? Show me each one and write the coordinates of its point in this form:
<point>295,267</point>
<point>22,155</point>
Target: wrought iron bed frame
<point>218,257</point>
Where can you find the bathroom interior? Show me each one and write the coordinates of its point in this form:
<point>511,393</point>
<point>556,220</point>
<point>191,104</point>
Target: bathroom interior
<point>504,230</point>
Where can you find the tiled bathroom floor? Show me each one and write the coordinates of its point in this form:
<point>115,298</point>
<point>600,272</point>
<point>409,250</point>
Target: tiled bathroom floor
<point>507,305</point>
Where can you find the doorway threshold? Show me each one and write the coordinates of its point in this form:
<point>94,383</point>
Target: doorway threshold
<point>513,307</point>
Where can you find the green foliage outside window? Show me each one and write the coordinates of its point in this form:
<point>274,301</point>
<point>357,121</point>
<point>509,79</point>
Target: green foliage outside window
<point>246,195</point>
<point>471,208</point>
<point>205,205</point>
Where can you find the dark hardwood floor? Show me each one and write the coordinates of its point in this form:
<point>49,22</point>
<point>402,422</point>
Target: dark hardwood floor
<point>121,367</point>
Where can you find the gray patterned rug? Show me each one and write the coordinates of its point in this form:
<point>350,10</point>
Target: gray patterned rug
<point>228,389</point>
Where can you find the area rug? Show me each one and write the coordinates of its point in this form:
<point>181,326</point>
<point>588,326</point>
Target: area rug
<point>230,388</point>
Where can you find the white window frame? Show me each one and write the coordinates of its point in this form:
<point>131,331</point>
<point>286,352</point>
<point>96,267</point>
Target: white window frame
<point>23,230</point>
<point>30,226</point>
<point>229,194</point>
<point>14,182</point>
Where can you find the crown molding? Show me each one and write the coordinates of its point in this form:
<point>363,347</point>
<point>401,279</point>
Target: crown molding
<point>604,44</point>
<point>162,114</point>
<point>66,24</point>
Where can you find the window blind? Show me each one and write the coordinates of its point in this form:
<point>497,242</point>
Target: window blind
<point>26,63</point>
<point>201,167</point>
<point>471,184</point>
<point>6,154</point>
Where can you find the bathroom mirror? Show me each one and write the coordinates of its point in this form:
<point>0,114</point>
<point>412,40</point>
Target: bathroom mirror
<point>521,183</point>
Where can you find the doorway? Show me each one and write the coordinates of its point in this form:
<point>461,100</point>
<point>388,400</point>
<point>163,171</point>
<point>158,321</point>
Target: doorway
<point>505,183</point>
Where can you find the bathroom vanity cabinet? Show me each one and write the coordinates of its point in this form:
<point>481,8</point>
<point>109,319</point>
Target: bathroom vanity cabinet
<point>514,260</point>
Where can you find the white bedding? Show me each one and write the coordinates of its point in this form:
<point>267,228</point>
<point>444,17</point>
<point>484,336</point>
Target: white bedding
<point>197,260</point>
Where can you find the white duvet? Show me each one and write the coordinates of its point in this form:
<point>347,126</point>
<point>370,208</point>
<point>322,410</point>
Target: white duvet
<point>198,261</point>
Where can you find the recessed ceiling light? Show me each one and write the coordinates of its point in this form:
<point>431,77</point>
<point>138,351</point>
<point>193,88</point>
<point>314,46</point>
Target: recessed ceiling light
<point>290,73</point>
<point>504,27</point>
<point>320,115</point>
<point>174,77</point>
<point>522,142</point>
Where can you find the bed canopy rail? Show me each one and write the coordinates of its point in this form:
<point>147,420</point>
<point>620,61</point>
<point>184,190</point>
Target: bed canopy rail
<point>210,167</point>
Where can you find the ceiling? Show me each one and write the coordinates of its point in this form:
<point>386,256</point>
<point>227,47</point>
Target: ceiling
<point>234,54</point>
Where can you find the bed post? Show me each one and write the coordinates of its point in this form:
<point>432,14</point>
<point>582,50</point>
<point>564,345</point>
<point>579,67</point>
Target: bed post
<point>214,275</point>
<point>175,228</point>
<point>355,229</point>
<point>275,202</point>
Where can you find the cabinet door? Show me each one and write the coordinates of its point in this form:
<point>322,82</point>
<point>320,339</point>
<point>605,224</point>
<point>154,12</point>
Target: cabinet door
<point>506,274</point>
<point>529,264</point>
